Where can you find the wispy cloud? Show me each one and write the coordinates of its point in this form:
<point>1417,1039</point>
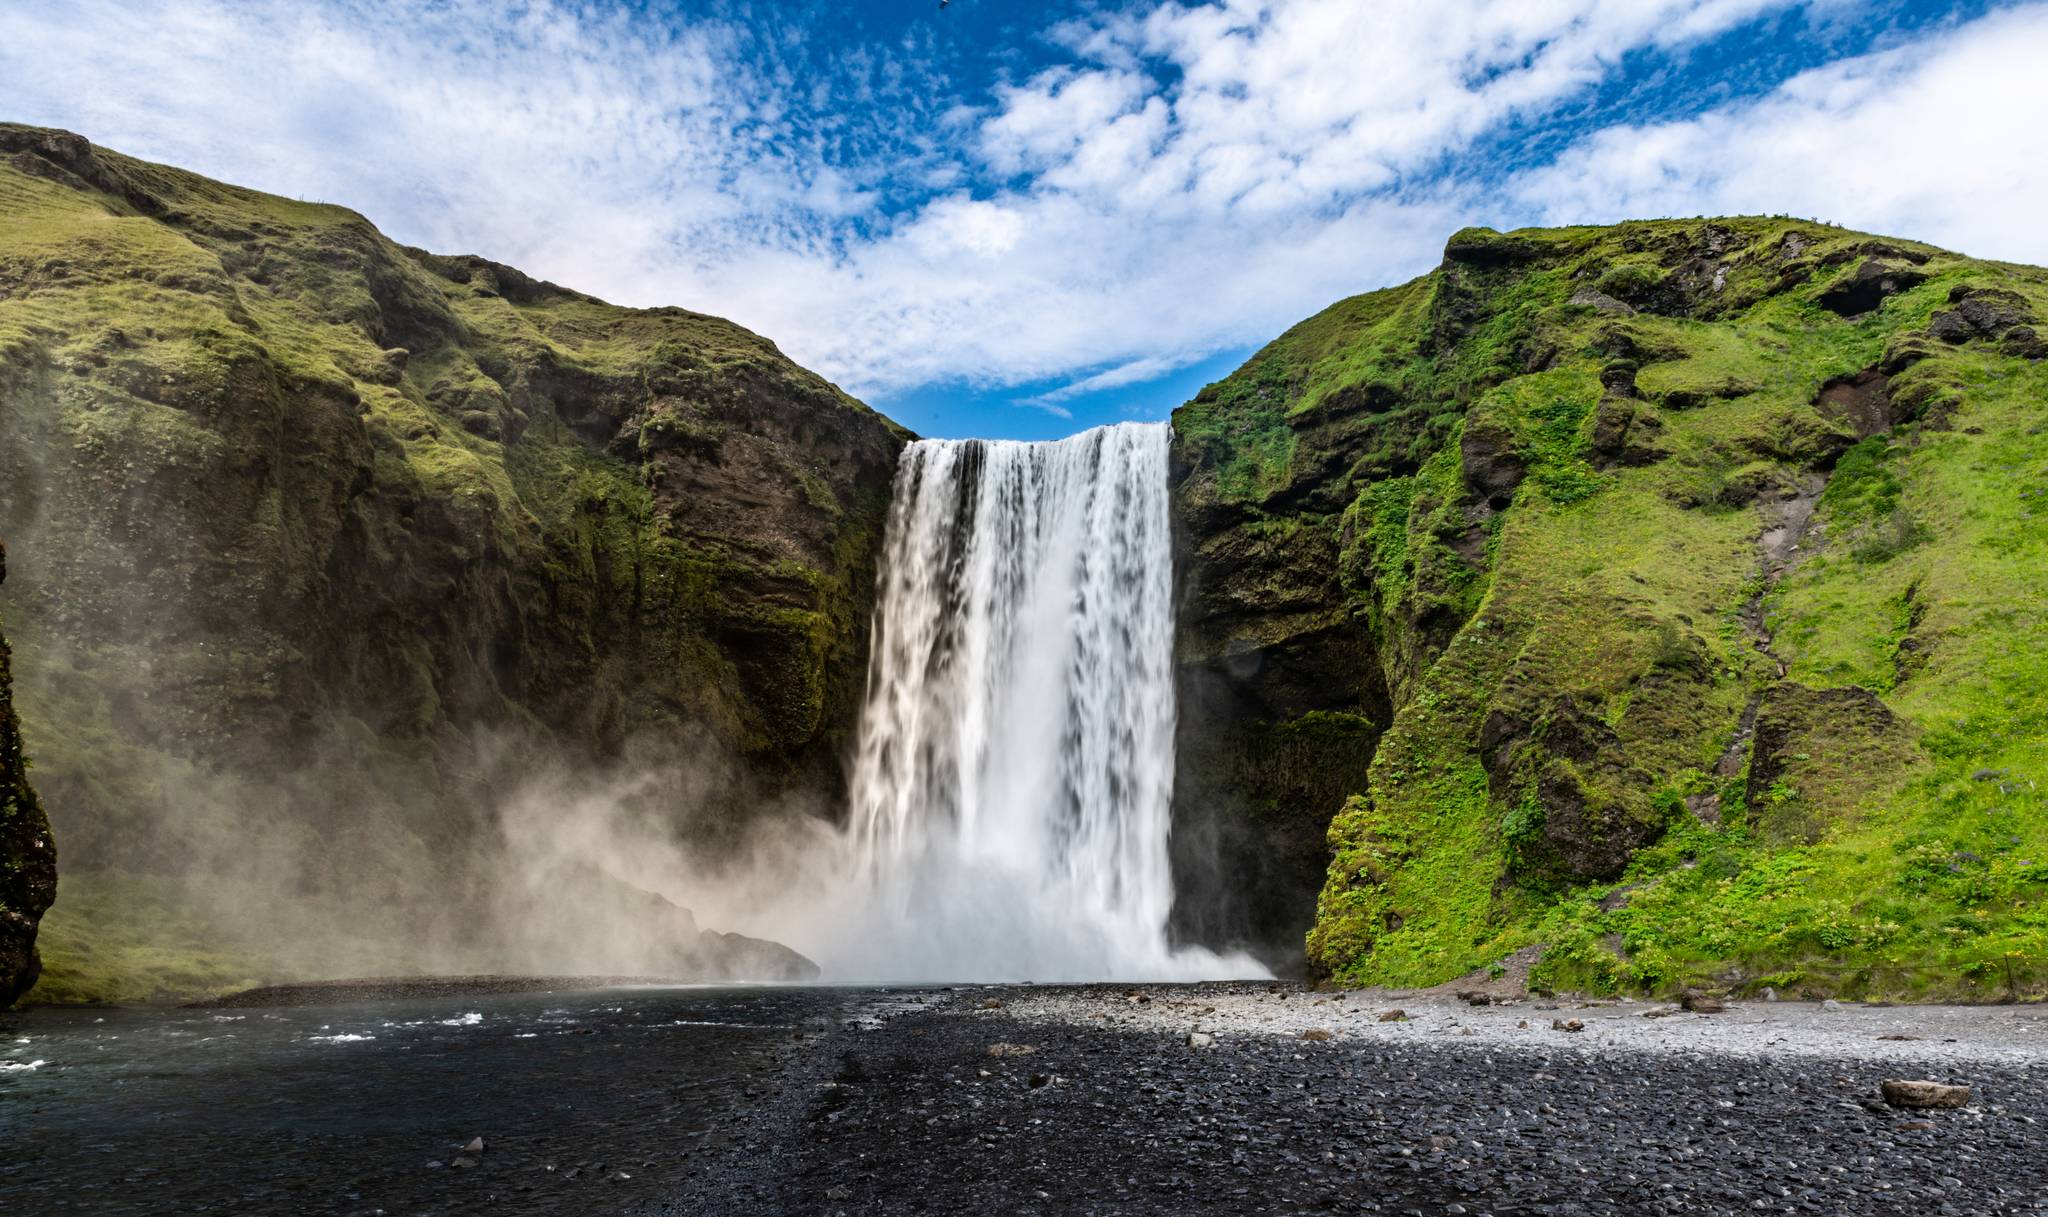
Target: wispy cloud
<point>1941,140</point>
<point>1116,197</point>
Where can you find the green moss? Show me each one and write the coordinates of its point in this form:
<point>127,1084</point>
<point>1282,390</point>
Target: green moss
<point>118,938</point>
<point>1615,600</point>
<point>386,509</point>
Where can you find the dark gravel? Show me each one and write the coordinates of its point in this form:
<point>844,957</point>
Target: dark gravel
<point>917,1117</point>
<point>830,1101</point>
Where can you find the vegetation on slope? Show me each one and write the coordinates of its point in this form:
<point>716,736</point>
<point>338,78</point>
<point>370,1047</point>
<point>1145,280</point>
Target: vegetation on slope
<point>1699,569</point>
<point>320,539</point>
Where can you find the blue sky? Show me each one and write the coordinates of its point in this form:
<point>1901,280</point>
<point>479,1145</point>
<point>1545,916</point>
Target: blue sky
<point>1015,219</point>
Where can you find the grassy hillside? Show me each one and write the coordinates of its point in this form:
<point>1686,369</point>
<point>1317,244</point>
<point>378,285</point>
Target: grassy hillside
<point>319,540</point>
<point>1684,585</point>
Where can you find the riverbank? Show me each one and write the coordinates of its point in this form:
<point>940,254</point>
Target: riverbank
<point>1038,1101</point>
<point>1044,1101</point>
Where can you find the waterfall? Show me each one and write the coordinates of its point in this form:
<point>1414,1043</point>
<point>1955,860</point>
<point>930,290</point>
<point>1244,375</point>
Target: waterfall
<point>1012,788</point>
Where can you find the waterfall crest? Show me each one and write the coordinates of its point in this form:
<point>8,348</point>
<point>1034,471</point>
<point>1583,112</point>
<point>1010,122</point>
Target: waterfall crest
<point>1012,788</point>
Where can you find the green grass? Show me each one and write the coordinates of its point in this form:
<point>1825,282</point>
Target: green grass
<point>117,938</point>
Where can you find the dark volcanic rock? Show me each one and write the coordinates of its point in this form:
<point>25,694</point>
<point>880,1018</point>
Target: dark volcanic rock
<point>1624,433</point>
<point>2024,342</point>
<point>28,858</point>
<point>1979,312</point>
<point>1816,751</point>
<point>1868,286</point>
<point>1492,463</point>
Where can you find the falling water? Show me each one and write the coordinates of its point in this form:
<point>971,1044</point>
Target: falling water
<point>1012,789</point>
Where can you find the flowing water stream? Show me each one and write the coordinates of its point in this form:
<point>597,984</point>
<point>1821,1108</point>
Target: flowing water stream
<point>1013,785</point>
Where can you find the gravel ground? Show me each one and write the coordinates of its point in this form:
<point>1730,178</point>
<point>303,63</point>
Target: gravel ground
<point>2009,1035</point>
<point>1088,1101</point>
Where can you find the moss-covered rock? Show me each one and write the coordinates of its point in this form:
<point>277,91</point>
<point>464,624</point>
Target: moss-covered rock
<point>335,533</point>
<point>28,857</point>
<point>1692,559</point>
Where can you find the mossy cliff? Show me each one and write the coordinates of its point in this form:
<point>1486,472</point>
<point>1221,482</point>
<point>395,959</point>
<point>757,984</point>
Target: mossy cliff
<point>312,522</point>
<point>28,859</point>
<point>1670,595</point>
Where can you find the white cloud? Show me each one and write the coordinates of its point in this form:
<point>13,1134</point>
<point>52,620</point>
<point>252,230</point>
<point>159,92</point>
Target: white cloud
<point>1943,140</point>
<point>1188,178</point>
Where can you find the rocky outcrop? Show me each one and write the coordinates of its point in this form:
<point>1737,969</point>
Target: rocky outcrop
<point>28,857</point>
<point>1598,533</point>
<point>329,540</point>
<point>1818,753</point>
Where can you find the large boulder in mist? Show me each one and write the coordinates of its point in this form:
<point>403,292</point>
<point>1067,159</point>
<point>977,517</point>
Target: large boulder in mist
<point>574,918</point>
<point>28,859</point>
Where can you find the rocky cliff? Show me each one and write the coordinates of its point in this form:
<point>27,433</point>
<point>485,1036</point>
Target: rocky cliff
<point>321,540</point>
<point>1667,595</point>
<point>28,859</point>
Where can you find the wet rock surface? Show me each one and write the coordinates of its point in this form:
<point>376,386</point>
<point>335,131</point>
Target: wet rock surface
<point>457,1100</point>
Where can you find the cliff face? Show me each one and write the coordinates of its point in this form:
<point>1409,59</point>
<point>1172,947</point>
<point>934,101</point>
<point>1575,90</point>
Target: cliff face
<point>28,859</point>
<point>314,522</point>
<point>1664,594</point>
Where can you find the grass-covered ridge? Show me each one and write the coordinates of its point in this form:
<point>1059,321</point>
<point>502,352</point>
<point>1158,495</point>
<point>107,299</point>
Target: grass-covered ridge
<point>317,537</point>
<point>1700,568</point>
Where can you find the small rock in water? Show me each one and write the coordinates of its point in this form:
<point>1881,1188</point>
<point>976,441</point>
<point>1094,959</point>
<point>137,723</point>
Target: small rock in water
<point>1660,1011</point>
<point>1475,998</point>
<point>1394,1016</point>
<point>1005,1048</point>
<point>463,1161</point>
<point>475,1146</point>
<point>1566,1024</point>
<point>1900,1092</point>
<point>1039,1080</point>
<point>839,1191</point>
<point>1831,1005</point>
<point>1318,1034</point>
<point>1200,1039</point>
<point>1702,1003</point>
<point>1898,1037</point>
<point>993,1003</point>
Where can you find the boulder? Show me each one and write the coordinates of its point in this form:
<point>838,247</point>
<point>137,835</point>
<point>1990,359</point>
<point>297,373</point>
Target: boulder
<point>1600,302</point>
<point>2024,342</point>
<point>1923,1095</point>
